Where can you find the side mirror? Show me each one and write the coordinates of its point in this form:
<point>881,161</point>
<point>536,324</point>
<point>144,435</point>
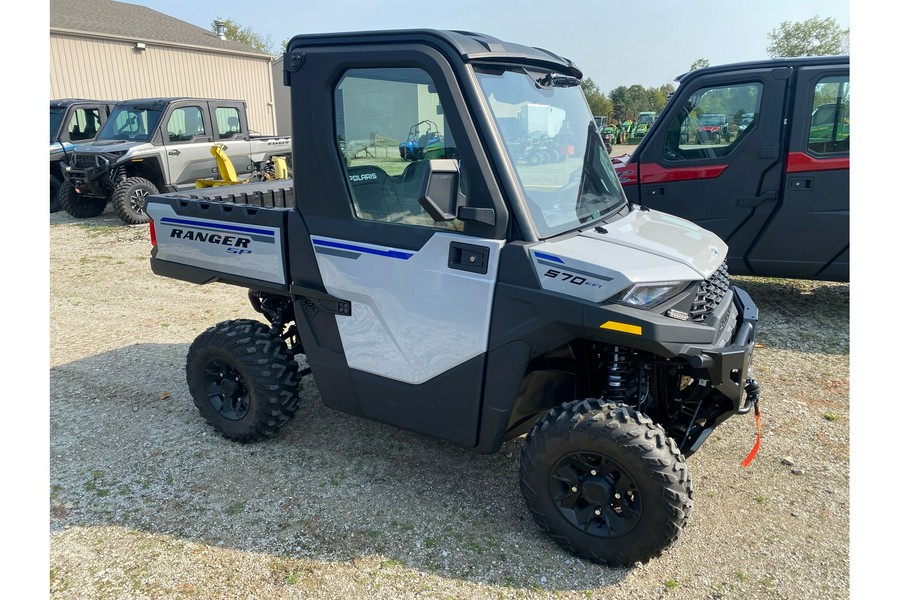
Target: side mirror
<point>440,195</point>
<point>440,188</point>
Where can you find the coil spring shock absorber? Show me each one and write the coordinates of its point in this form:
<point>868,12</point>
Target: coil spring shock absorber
<point>615,363</point>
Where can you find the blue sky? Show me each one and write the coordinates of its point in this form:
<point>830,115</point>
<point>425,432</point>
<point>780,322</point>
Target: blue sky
<point>648,42</point>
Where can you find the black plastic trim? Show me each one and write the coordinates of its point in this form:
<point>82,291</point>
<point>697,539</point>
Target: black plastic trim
<point>445,407</point>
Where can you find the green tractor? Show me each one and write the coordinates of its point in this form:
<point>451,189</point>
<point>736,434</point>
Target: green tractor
<point>642,125</point>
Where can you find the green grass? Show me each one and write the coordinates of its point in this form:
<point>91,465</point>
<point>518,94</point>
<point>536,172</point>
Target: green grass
<point>292,578</point>
<point>235,508</point>
<point>671,584</point>
<point>831,417</point>
<point>98,230</point>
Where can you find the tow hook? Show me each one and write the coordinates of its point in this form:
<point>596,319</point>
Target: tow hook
<point>752,389</point>
<point>752,401</point>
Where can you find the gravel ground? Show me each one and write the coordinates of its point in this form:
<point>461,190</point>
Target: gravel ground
<point>148,501</point>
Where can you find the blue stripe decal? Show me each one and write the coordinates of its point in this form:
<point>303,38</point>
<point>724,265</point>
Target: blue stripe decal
<point>209,225</point>
<point>555,259</point>
<point>386,253</point>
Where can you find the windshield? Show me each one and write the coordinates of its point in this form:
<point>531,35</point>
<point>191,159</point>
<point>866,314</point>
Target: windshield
<point>56,117</point>
<point>555,148</point>
<point>712,119</point>
<point>645,119</point>
<point>130,123</point>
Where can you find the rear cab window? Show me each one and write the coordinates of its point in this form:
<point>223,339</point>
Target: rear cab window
<point>829,127</point>
<point>228,122</point>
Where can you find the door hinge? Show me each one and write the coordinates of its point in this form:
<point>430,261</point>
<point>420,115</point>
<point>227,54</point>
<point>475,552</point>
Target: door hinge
<point>314,300</point>
<point>292,63</point>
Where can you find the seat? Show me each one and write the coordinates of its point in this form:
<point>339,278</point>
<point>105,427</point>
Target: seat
<point>234,128</point>
<point>373,193</point>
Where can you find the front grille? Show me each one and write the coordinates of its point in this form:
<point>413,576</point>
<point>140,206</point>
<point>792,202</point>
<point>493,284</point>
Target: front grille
<point>710,294</point>
<point>84,161</point>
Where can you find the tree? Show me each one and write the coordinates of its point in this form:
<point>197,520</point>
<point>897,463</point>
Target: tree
<point>700,63</point>
<point>599,103</point>
<point>246,36</point>
<point>813,37</point>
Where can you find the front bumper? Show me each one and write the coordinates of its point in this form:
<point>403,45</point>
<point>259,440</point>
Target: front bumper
<point>93,182</point>
<point>729,367</point>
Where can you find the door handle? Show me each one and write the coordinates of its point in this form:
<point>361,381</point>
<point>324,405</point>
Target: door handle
<point>656,191</point>
<point>800,183</point>
<point>754,201</point>
<point>174,152</point>
<point>468,257</point>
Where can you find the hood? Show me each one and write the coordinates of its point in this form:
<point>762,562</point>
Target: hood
<point>668,237</point>
<point>111,146</point>
<point>61,147</point>
<point>644,247</point>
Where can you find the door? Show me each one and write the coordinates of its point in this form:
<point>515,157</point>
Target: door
<point>715,157</point>
<point>809,235</point>
<point>187,138</point>
<point>417,293</point>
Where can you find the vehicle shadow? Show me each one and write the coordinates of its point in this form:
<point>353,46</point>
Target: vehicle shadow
<point>799,315</point>
<point>129,449</point>
<point>107,218</point>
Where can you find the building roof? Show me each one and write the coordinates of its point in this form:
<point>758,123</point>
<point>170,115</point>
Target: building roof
<point>105,18</point>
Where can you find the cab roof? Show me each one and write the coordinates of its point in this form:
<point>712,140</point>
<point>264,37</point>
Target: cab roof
<point>469,46</point>
<point>773,63</point>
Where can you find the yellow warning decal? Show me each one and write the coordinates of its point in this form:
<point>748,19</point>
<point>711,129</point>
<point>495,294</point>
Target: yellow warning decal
<point>623,327</point>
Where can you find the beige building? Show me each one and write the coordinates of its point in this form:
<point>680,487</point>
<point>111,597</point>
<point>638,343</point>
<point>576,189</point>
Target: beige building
<point>115,51</point>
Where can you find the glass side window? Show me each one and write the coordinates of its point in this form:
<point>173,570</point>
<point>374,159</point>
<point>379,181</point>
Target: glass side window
<point>389,123</point>
<point>829,126</point>
<point>228,122</point>
<point>85,124</point>
<point>185,124</point>
<point>713,121</point>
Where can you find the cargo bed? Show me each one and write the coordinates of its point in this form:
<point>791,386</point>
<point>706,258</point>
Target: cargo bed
<point>234,234</point>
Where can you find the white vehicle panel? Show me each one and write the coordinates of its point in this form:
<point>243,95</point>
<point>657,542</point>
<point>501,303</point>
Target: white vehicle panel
<point>644,247</point>
<point>413,317</point>
<point>252,251</point>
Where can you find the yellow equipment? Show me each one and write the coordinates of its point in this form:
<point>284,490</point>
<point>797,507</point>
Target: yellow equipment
<point>229,175</point>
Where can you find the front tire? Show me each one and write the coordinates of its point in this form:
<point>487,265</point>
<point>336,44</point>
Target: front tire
<point>130,199</point>
<point>243,379</point>
<point>55,185</point>
<point>606,482</point>
<point>78,206</point>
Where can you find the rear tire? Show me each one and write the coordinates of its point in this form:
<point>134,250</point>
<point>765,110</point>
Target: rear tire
<point>130,199</point>
<point>55,184</point>
<point>243,379</point>
<point>606,482</point>
<point>78,206</point>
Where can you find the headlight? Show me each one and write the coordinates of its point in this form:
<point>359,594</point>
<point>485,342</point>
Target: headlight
<point>648,295</point>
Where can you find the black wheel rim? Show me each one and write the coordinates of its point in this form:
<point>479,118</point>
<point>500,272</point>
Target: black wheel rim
<point>595,494</point>
<point>139,200</point>
<point>225,390</point>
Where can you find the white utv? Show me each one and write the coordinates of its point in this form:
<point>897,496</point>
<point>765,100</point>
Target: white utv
<point>471,297</point>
